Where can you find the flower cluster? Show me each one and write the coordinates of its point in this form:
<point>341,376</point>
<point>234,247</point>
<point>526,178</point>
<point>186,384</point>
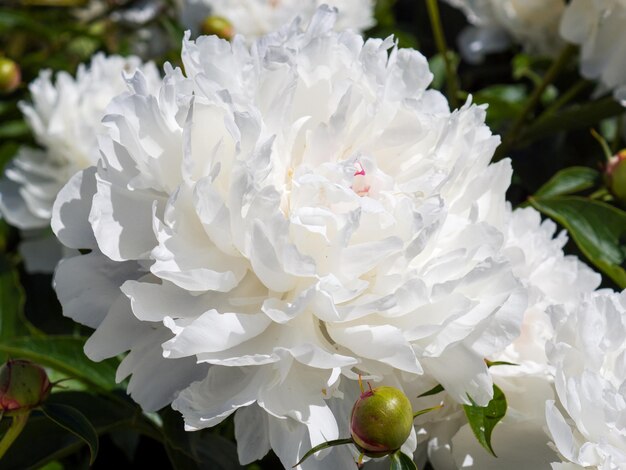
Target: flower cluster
<point>255,18</point>
<point>282,218</point>
<point>65,118</point>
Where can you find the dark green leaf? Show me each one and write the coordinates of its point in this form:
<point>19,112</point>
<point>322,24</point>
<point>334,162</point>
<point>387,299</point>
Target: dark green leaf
<point>400,461</point>
<point>598,229</point>
<point>433,391</point>
<point>65,354</point>
<point>482,420</point>
<point>570,180</point>
<point>75,422</point>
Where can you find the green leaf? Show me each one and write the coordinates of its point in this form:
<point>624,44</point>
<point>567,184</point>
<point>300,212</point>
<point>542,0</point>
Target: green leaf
<point>433,391</point>
<point>322,446</point>
<point>598,229</point>
<point>482,420</point>
<point>75,422</point>
<point>65,354</point>
<point>570,180</point>
<point>400,461</point>
<point>42,441</point>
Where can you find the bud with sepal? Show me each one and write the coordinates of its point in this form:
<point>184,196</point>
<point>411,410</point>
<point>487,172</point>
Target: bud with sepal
<point>23,386</point>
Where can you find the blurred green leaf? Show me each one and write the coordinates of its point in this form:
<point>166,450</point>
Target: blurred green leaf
<point>400,461</point>
<point>43,441</point>
<point>13,129</point>
<point>74,421</point>
<point>437,66</point>
<point>570,180</point>
<point>579,116</point>
<point>200,450</point>
<point>505,102</point>
<point>65,354</point>
<point>482,419</point>
<point>598,229</point>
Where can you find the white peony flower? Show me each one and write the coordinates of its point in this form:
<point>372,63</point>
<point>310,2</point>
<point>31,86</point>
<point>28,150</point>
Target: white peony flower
<point>281,219</point>
<point>599,27</point>
<point>254,18</point>
<point>534,24</point>
<point>64,117</point>
<point>588,420</point>
<point>552,279</point>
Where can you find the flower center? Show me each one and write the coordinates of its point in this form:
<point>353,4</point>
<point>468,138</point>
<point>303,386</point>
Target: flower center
<point>360,183</point>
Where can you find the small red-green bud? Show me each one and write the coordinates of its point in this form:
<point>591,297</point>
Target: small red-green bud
<point>615,175</point>
<point>10,75</point>
<point>381,421</point>
<point>219,26</point>
<point>23,386</point>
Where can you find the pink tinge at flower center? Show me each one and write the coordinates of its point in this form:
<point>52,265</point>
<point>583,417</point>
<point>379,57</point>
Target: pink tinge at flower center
<point>360,184</point>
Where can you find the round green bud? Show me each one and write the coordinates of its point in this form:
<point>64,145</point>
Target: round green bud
<point>23,386</point>
<point>10,75</point>
<point>381,421</point>
<point>218,26</point>
<point>616,176</point>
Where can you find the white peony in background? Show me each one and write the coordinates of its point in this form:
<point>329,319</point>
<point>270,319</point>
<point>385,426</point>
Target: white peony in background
<point>282,218</point>
<point>599,28</point>
<point>255,18</point>
<point>533,24</point>
<point>64,117</point>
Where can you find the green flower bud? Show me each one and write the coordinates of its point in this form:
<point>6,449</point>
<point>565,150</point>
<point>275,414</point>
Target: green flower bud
<point>10,76</point>
<point>218,26</point>
<point>616,175</point>
<point>23,386</point>
<point>381,421</point>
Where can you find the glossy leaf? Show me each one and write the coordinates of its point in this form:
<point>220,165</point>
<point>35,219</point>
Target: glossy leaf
<point>568,181</point>
<point>65,354</point>
<point>598,229</point>
<point>400,461</point>
<point>483,419</point>
<point>74,421</point>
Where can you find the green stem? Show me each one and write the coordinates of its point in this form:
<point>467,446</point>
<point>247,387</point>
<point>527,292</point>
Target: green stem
<point>511,137</point>
<point>440,41</point>
<point>19,421</point>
